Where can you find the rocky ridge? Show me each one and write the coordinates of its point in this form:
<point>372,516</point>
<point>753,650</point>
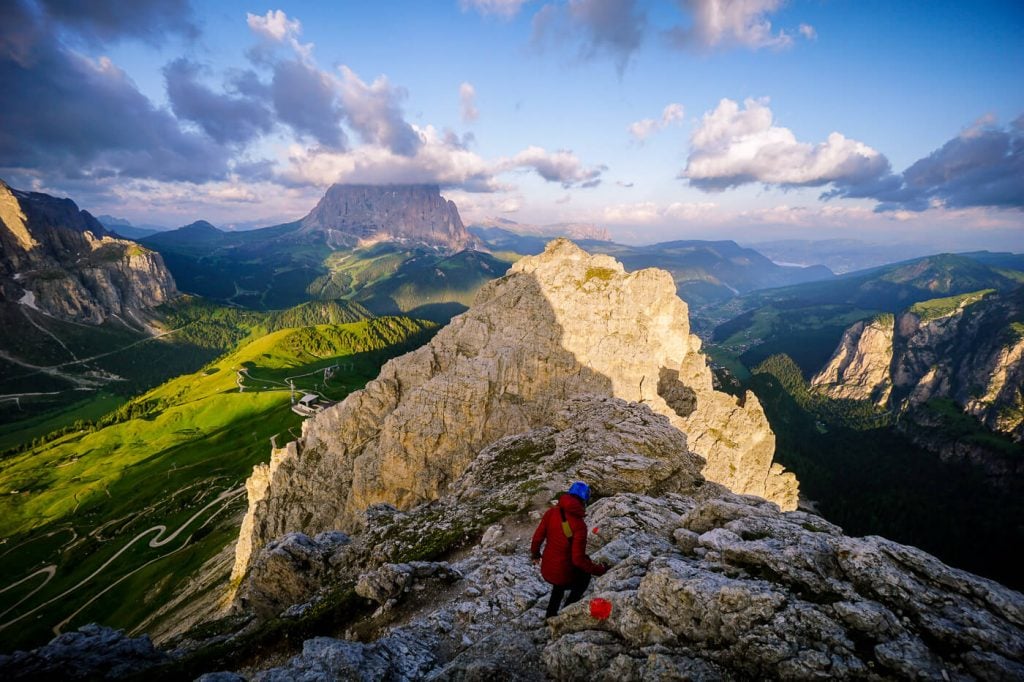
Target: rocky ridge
<point>558,325</point>
<point>971,352</point>
<point>351,214</point>
<point>63,262</point>
<point>704,584</point>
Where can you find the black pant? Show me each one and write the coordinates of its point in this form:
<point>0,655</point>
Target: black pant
<point>579,584</point>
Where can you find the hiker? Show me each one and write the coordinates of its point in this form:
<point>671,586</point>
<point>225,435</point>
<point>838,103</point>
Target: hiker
<point>565,563</point>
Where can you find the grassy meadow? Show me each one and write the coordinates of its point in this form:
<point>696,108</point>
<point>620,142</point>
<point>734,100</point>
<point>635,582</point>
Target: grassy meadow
<point>107,522</point>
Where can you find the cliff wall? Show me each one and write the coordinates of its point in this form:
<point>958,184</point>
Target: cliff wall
<point>63,262</point>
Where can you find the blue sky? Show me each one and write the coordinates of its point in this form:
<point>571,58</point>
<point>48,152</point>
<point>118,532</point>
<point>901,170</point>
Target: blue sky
<point>659,120</point>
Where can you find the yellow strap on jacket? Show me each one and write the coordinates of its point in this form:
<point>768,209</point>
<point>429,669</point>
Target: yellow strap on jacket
<point>565,524</point>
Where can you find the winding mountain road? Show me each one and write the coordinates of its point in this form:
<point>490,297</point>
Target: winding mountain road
<point>158,540</point>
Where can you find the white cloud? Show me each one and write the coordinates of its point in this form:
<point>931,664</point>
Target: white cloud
<point>275,25</point>
<point>179,203</point>
<point>729,23</point>
<point>734,146</point>
<point>560,166</point>
<point>467,97</point>
<point>437,159</point>
<point>644,128</point>
<point>374,111</point>
<point>671,113</point>
<point>506,9</point>
<point>808,32</point>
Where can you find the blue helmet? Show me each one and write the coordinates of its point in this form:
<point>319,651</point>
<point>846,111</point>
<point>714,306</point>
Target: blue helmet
<point>580,490</point>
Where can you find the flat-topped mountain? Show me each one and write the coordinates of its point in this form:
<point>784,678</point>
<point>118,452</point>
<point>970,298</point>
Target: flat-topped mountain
<point>61,261</point>
<point>350,214</point>
<point>393,248</point>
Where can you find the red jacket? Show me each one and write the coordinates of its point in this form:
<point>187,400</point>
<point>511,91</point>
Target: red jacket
<point>563,555</point>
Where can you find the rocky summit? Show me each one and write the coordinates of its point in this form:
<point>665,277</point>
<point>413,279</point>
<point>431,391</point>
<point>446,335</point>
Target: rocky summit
<point>351,214</point>
<point>704,584</point>
<point>558,325</point>
<point>61,261</point>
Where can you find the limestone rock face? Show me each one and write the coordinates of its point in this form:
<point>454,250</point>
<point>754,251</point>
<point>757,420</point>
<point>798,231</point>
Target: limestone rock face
<point>63,262</point>
<point>971,353</point>
<point>618,446</point>
<point>558,325</point>
<point>348,214</point>
<point>704,584</point>
<point>291,567</point>
<point>859,368</point>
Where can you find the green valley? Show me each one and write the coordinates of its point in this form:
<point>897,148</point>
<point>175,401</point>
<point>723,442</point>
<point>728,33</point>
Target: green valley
<point>864,474</point>
<point>805,321</point>
<point>109,520</point>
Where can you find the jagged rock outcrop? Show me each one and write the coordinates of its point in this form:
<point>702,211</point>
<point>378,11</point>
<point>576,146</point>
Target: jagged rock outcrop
<point>558,325</point>
<point>61,261</point>
<point>92,652</point>
<point>969,349</point>
<point>704,584</point>
<point>349,214</point>
<point>291,568</point>
<point>859,368</point>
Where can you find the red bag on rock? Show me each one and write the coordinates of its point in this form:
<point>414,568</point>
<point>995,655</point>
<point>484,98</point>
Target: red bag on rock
<point>600,608</point>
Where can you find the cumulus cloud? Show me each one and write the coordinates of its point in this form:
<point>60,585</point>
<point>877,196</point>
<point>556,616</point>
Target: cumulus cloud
<point>79,117</point>
<point>374,111</point>
<point>730,23</point>
<point>276,27</point>
<point>982,166</point>
<point>734,146</point>
<point>435,160</point>
<point>80,124</point>
<point>438,159</point>
<point>602,27</point>
<point>306,99</point>
<point>644,128</point>
<point>225,118</point>
<point>505,9</point>
<point>561,166</point>
<point>617,28</point>
<point>467,97</point>
<point>322,105</point>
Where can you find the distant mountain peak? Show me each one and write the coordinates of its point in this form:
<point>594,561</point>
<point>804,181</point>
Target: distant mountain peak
<point>60,261</point>
<point>202,225</point>
<point>350,214</point>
